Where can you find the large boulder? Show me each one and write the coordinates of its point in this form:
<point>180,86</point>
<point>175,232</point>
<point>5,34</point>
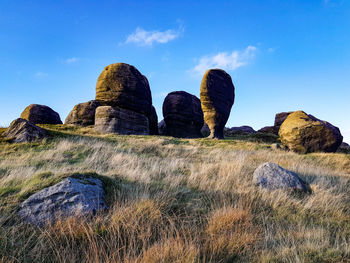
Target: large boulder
<point>153,122</point>
<point>217,96</point>
<point>272,176</point>
<point>122,121</point>
<point>74,196</point>
<point>83,114</point>
<point>21,130</point>
<point>41,114</point>
<point>122,85</point>
<point>304,133</point>
<point>183,115</point>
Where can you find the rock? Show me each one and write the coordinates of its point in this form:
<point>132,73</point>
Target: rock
<point>304,133</point>
<point>217,97</point>
<point>205,130</point>
<point>280,118</point>
<point>272,176</point>
<point>153,122</point>
<point>41,114</point>
<point>238,130</point>
<point>83,114</point>
<point>269,129</point>
<point>162,127</point>
<point>183,115</point>
<point>80,196</point>
<point>122,121</point>
<point>344,148</point>
<point>123,86</point>
<point>21,130</point>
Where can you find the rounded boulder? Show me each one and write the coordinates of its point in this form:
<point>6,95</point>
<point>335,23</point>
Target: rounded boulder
<point>41,114</point>
<point>83,114</point>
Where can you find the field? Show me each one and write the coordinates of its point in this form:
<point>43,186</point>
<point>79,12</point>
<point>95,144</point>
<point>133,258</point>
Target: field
<point>176,200</point>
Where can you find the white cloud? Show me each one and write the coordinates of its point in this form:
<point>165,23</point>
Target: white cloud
<point>71,60</point>
<point>40,75</point>
<point>148,38</point>
<point>225,60</point>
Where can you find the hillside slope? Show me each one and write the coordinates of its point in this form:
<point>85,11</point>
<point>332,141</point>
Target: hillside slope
<point>176,200</point>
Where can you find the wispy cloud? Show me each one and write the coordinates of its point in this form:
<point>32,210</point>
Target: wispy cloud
<point>148,38</point>
<point>225,60</point>
<point>40,75</point>
<point>71,60</point>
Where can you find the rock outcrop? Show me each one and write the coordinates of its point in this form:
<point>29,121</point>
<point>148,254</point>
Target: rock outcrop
<point>217,96</point>
<point>304,133</point>
<point>80,196</point>
<point>279,119</point>
<point>183,115</point>
<point>83,114</point>
<point>123,86</point>
<point>153,122</point>
<point>162,127</point>
<point>122,121</point>
<point>238,130</point>
<point>272,176</point>
<point>41,114</point>
<point>269,129</point>
<point>21,130</point>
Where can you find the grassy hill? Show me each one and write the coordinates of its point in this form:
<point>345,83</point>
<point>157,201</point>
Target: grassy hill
<point>176,200</point>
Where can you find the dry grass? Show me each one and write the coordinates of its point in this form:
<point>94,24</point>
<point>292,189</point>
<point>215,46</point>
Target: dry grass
<point>176,200</point>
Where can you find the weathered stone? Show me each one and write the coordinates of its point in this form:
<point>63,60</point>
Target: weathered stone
<point>183,115</point>
<point>72,197</point>
<point>21,130</point>
<point>205,130</point>
<point>83,114</point>
<point>122,85</point>
<point>162,127</point>
<point>238,130</point>
<point>304,133</point>
<point>280,118</point>
<point>122,121</point>
<point>41,114</point>
<point>153,122</point>
<point>217,97</point>
<point>272,176</point>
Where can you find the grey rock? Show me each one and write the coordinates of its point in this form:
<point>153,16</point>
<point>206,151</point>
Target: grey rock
<point>21,130</point>
<point>122,121</point>
<point>81,196</point>
<point>162,127</point>
<point>271,176</point>
<point>83,114</point>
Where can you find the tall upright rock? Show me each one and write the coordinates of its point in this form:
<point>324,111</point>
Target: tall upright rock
<point>304,133</point>
<point>122,85</point>
<point>183,115</point>
<point>217,96</point>
<point>153,122</point>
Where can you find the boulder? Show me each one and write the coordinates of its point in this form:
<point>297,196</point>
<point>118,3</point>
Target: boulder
<point>123,86</point>
<point>83,114</point>
<point>238,130</point>
<point>74,196</point>
<point>153,122</point>
<point>122,121</point>
<point>21,130</point>
<point>271,176</point>
<point>41,114</point>
<point>162,127</point>
<point>183,115</point>
<point>280,118</point>
<point>217,96</point>
<point>304,133</point>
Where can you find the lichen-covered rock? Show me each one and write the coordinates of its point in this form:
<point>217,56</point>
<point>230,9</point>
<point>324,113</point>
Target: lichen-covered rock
<point>41,114</point>
<point>74,196</point>
<point>122,85</point>
<point>272,176</point>
<point>153,122</point>
<point>183,115</point>
<point>238,130</point>
<point>83,114</point>
<point>217,96</point>
<point>122,121</point>
<point>21,130</point>
<point>280,118</point>
<point>304,133</point>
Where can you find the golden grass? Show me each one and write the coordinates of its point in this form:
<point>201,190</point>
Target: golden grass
<point>176,200</point>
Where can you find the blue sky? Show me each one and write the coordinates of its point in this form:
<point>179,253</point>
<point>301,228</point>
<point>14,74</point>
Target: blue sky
<point>282,55</point>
